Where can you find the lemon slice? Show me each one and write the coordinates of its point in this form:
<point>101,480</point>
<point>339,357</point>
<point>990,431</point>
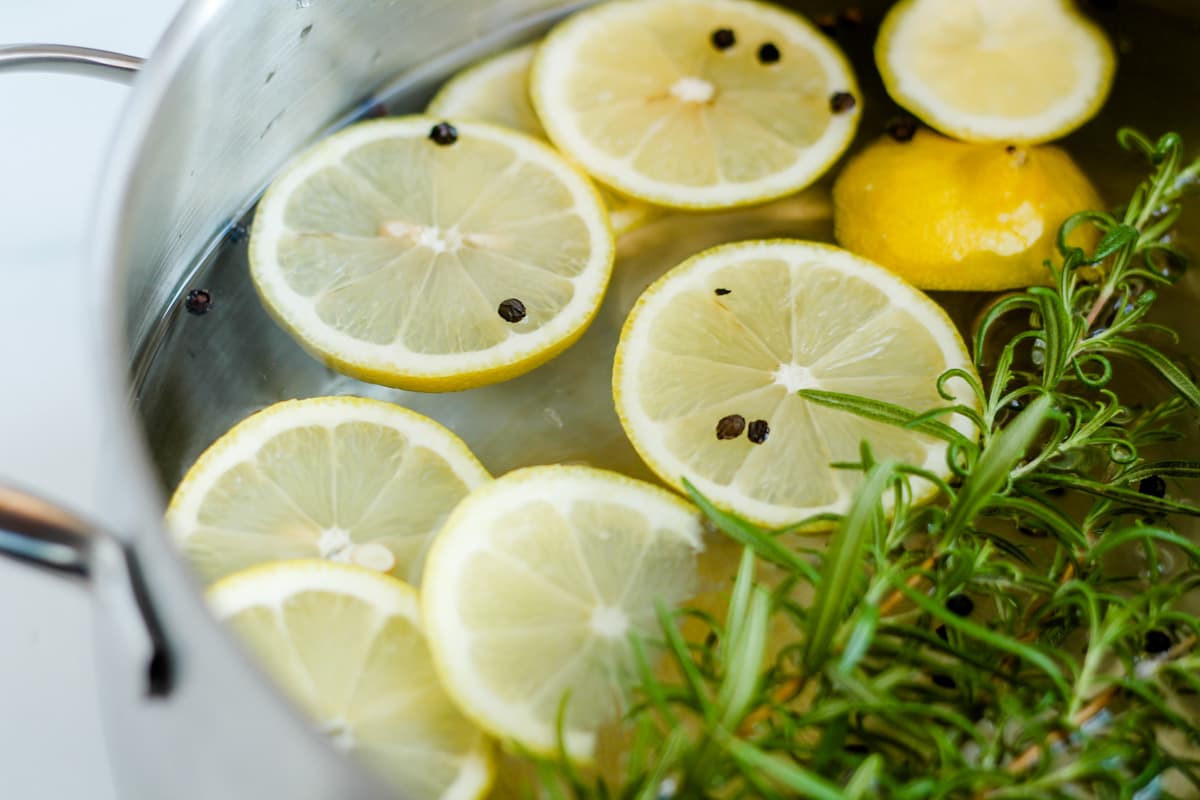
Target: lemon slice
<point>696,103</point>
<point>497,90</point>
<point>346,645</point>
<point>713,354</point>
<point>534,587</point>
<point>431,257</point>
<point>335,477</point>
<point>996,70</point>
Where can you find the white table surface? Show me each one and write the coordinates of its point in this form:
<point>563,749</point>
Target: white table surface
<point>54,132</point>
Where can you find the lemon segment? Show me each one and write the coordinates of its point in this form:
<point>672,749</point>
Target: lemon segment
<point>711,358</point>
<point>958,216</point>
<point>534,588</point>
<point>346,645</point>
<point>640,93</point>
<point>996,70</point>
<point>343,478</point>
<point>431,266</point>
<point>497,90</point>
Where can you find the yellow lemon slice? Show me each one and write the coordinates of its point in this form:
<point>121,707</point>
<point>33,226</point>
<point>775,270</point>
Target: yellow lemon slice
<point>346,644</point>
<point>342,478</point>
<point>534,588</point>
<point>497,90</point>
<point>432,257</point>
<point>696,104</point>
<point>713,354</point>
<point>996,70</point>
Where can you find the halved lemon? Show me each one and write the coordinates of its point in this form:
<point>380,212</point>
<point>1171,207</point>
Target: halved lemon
<point>346,644</point>
<point>987,217</point>
<point>713,354</point>
<point>496,90</point>
<point>432,257</point>
<point>696,103</point>
<point>342,478</point>
<point>534,588</point>
<point>996,70</point>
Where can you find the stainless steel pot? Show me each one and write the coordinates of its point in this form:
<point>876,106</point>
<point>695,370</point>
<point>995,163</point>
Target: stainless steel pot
<point>233,90</point>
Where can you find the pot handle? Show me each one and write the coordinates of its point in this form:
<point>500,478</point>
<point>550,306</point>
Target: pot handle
<point>83,61</point>
<point>38,533</point>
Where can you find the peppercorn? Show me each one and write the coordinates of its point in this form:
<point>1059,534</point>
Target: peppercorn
<point>841,102</point>
<point>443,134</point>
<point>1157,642</point>
<point>902,129</point>
<point>198,302</point>
<point>723,38</point>
<point>769,54</point>
<point>960,605</point>
<point>943,680</point>
<point>512,310</point>
<point>731,427</point>
<point>1153,486</point>
<point>759,431</point>
<point>236,233</point>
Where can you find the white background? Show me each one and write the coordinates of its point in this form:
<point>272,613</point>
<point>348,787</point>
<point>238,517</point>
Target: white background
<point>54,132</point>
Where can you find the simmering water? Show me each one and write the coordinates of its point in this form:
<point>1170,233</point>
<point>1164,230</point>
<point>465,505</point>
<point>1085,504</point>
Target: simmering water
<point>563,411</point>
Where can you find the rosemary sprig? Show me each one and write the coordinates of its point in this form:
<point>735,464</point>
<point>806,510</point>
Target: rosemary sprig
<point>945,653</point>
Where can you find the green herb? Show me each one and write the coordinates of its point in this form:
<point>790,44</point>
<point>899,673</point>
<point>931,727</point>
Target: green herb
<point>1047,689</point>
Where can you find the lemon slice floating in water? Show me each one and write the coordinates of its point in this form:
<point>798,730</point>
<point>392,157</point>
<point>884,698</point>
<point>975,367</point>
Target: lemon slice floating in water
<point>342,478</point>
<point>346,645</point>
<point>497,90</point>
<point>696,103</point>
<point>534,587</point>
<point>432,257</point>
<point>713,354</point>
<point>996,70</point>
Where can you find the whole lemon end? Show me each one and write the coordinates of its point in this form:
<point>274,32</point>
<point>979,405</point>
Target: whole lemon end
<point>955,216</point>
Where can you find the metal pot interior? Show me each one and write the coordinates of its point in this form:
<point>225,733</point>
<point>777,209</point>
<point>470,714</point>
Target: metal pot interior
<point>260,89</point>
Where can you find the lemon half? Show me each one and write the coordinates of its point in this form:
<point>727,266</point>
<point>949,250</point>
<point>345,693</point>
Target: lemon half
<point>961,216</point>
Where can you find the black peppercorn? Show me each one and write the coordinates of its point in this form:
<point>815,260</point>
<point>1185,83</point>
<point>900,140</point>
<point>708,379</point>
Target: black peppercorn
<point>902,129</point>
<point>960,605</point>
<point>731,427</point>
<point>769,54</point>
<point>943,680</point>
<point>198,302</point>
<point>842,102</point>
<point>512,310</point>
<point>723,39</point>
<point>443,134</point>
<point>759,431</point>
<point>1153,486</point>
<point>1157,642</point>
<point>236,233</point>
